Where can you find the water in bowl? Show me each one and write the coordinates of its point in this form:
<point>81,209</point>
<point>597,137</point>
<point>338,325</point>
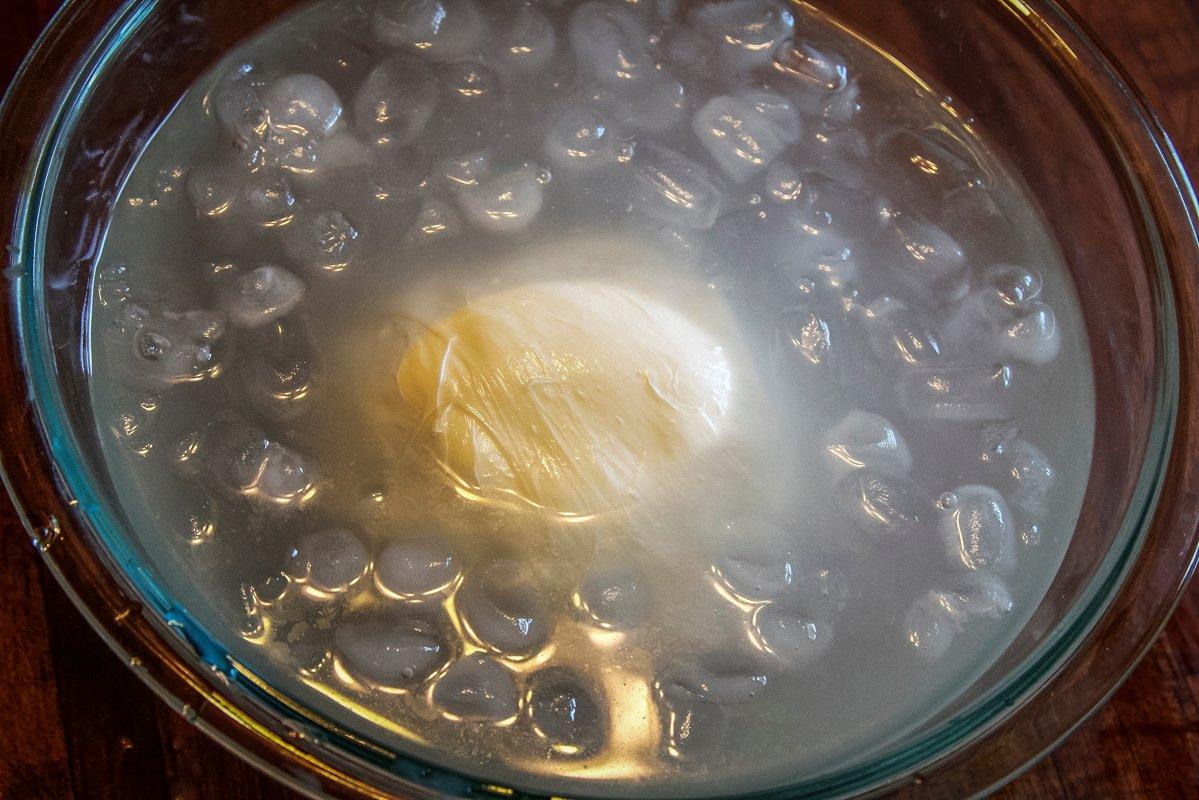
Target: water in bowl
<point>591,397</point>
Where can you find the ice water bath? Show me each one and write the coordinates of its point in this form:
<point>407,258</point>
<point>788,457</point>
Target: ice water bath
<point>657,398</point>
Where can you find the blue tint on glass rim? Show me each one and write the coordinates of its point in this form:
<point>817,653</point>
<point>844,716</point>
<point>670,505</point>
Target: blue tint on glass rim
<point>106,521</point>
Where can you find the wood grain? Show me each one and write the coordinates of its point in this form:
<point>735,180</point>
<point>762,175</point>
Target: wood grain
<point>76,723</point>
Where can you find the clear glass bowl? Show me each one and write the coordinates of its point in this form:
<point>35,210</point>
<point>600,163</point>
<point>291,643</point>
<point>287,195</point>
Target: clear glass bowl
<point>1039,89</point>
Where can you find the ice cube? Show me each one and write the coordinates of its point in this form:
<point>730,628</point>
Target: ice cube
<point>260,296</point>
<point>395,101</point>
<point>887,508</point>
<point>477,688</point>
<point>820,594</point>
<point>743,34</point>
<point>811,66</point>
<point>133,425</point>
<point>715,678</point>
<point>693,727</point>
<point>442,30</point>
<point>221,191</point>
<point>580,140</point>
<point>323,240</point>
<point>899,333</point>
<point>840,153</point>
<point>931,162</point>
<point>267,197</point>
<point>822,203</point>
<point>471,85</point>
<point>237,105</point>
<point>278,368</point>
<point>976,529</point>
<point>957,393</point>
<point>1031,475</point>
<point>170,347</point>
<point>612,598</point>
<point>415,568</point>
<point>982,596</point>
<point>925,257</point>
<point>649,106</point>
<point>788,637</point>
<point>1013,286</point>
<point>673,189</point>
<point>328,563</point>
<point>808,335</point>
<point>248,465</point>
<point>1033,338</point>
<point>611,45</point>
<point>930,625</point>
<point>456,172</point>
<point>744,134</point>
<point>213,189</point>
<point>389,651</point>
<point>861,440</point>
<point>529,41</point>
<point>502,610</point>
<point>301,107</point>
<point>565,712</point>
<point>505,202</point>
<point>436,220</point>
<point>759,559</point>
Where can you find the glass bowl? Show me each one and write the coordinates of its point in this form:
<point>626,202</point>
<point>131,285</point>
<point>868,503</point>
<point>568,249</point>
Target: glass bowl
<point>1030,79</point>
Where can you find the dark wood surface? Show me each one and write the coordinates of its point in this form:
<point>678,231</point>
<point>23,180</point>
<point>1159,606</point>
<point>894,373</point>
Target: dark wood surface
<point>75,723</point>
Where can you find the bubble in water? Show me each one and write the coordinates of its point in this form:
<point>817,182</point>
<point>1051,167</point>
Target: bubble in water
<point>301,106</point>
<point>613,598</point>
<point>389,651</point>
<point>502,610</point>
<point>808,334</point>
<point>260,296</point>
<point>958,394</point>
<point>324,240</point>
<point>861,440</point>
<point>759,559</point>
<point>395,101</point>
<point>278,368</point>
<point>792,640</point>
<point>528,42</point>
<point>436,220</point>
<point>580,140</point>
<point>743,33</point>
<point>743,135</point>
<point>673,189</point>
<point>506,202</point>
<point>888,509</point>
<point>977,532</point>
<point>565,712</point>
<point>328,562</point>
<point>415,568</point>
<point>170,348</point>
<point>611,45</point>
<point>442,30</point>
<point>1031,474</point>
<point>899,333</point>
<point>477,688</point>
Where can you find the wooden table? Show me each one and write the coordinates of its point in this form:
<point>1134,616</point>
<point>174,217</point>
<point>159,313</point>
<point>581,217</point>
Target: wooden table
<point>75,723</point>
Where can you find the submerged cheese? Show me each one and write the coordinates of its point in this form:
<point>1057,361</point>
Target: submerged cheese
<point>578,397</point>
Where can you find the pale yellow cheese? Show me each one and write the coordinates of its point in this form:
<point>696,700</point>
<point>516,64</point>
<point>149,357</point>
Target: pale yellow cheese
<point>578,397</point>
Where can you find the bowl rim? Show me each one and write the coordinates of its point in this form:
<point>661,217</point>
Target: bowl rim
<point>210,689</point>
